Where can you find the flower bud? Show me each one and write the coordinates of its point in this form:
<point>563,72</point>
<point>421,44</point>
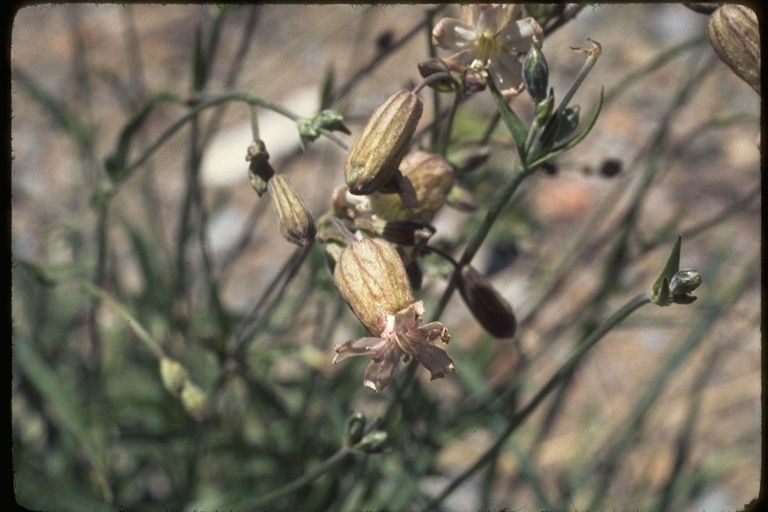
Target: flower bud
<point>259,171</point>
<point>487,305</point>
<point>735,36</point>
<point>173,375</point>
<point>371,443</point>
<point>536,74</point>
<point>430,177</point>
<point>373,159</point>
<point>195,401</point>
<point>682,284</point>
<point>294,219</point>
<point>371,277</point>
<point>354,428</point>
<point>431,66</point>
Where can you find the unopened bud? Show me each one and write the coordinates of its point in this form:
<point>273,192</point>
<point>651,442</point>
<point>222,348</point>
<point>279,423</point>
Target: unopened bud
<point>294,219</point>
<point>373,159</point>
<point>371,443</point>
<point>536,74</point>
<point>195,401</point>
<point>429,177</point>
<point>430,67</point>
<point>259,171</point>
<point>354,429</point>
<point>371,277</point>
<point>735,36</point>
<point>173,375</point>
<point>487,305</point>
<point>683,283</point>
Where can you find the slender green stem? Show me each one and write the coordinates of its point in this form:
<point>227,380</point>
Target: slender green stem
<point>445,140</point>
<point>479,236</point>
<point>126,315</point>
<point>517,418</point>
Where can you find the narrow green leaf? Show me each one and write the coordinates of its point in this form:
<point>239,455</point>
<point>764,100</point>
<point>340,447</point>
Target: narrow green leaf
<point>199,64</point>
<point>69,413</point>
<point>326,89</point>
<point>511,120</point>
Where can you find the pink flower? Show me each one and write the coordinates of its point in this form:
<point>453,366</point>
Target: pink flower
<point>400,337</point>
<point>491,37</point>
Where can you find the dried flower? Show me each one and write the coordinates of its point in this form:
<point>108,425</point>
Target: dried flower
<point>490,37</point>
<point>371,277</point>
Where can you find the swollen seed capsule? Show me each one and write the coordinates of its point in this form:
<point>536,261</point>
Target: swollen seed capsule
<point>735,36</point>
<point>371,277</point>
<point>375,156</point>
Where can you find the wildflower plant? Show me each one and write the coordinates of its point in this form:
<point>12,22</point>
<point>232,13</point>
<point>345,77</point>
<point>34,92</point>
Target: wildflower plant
<point>263,406</point>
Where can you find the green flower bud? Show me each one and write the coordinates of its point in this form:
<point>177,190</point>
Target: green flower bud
<point>294,219</point>
<point>173,375</point>
<point>371,277</point>
<point>735,36</point>
<point>374,157</point>
<point>195,401</point>
<point>430,178</point>
<point>371,443</point>
<point>487,305</point>
<point>354,429</point>
<point>536,74</point>
<point>683,283</point>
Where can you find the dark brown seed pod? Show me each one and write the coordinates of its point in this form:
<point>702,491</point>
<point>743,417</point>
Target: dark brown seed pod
<point>487,305</point>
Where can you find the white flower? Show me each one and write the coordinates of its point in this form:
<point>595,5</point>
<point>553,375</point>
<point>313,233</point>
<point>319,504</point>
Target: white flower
<point>492,38</point>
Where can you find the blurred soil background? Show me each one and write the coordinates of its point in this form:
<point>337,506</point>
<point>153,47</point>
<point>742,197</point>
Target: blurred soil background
<point>134,51</point>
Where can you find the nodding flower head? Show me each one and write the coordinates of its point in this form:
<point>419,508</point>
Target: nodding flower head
<point>371,277</point>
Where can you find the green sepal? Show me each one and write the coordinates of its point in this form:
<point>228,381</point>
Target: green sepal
<point>574,141</point>
<point>660,287</point>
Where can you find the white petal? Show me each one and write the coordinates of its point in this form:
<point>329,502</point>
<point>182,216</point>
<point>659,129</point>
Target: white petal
<point>508,73</point>
<point>518,37</point>
<point>453,34</point>
<point>459,61</point>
